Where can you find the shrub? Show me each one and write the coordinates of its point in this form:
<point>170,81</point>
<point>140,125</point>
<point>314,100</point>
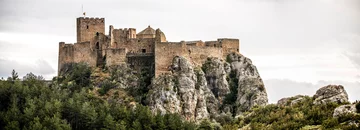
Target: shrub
<point>330,123</point>
<point>358,107</point>
<point>105,87</point>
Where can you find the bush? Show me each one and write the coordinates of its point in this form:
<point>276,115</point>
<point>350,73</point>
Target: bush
<point>75,76</point>
<point>105,86</point>
<point>330,123</point>
<point>358,107</point>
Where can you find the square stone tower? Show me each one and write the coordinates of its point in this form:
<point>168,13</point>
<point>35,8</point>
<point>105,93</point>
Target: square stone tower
<point>87,28</point>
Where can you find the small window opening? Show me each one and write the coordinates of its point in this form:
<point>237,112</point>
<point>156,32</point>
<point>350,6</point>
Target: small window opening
<point>138,40</point>
<point>143,50</point>
<point>87,26</point>
<point>189,51</point>
<point>97,33</point>
<point>214,45</point>
<point>237,50</point>
<point>97,45</point>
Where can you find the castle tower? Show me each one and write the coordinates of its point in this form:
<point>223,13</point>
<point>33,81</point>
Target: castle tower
<point>87,28</point>
<point>132,33</point>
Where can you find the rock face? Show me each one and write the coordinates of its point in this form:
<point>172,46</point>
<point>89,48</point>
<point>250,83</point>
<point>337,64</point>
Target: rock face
<point>331,93</point>
<point>184,92</point>
<point>290,100</point>
<point>251,89</point>
<point>344,109</point>
<point>198,93</point>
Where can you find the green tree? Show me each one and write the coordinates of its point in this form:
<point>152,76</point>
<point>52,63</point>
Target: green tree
<point>13,125</point>
<point>14,75</point>
<point>55,123</point>
<point>137,125</point>
<point>35,124</point>
<point>109,122</point>
<point>205,125</point>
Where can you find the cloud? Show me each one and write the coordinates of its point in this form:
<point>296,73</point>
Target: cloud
<point>352,50</point>
<point>40,67</point>
<point>280,88</point>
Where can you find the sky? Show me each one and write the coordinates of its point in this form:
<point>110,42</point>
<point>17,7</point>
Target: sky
<point>298,46</point>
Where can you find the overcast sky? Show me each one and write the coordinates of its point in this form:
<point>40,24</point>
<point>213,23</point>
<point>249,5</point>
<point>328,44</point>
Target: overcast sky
<point>297,45</point>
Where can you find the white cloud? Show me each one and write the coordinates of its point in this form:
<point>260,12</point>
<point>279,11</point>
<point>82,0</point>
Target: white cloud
<point>40,67</point>
<point>307,40</point>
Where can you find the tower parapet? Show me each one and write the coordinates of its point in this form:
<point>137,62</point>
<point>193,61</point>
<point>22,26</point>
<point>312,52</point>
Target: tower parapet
<point>87,28</point>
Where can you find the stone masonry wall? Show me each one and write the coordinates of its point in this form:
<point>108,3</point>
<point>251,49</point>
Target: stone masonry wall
<point>166,51</point>
<point>76,53</point>
<point>88,27</point>
<point>197,55</point>
<point>229,46</point>
<point>115,56</point>
<point>66,55</point>
<point>83,53</point>
<point>133,45</point>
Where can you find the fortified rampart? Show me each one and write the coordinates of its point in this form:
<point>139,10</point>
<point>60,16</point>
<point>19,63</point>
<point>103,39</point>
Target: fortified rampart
<point>147,49</point>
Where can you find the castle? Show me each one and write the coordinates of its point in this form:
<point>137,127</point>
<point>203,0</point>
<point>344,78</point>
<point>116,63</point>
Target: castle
<point>146,49</point>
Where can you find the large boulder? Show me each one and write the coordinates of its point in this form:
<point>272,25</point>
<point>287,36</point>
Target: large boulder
<point>331,93</point>
<point>344,110</point>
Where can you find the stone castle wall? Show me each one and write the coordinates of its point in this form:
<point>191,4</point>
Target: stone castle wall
<point>229,45</point>
<point>76,53</point>
<point>197,55</point>
<point>115,56</point>
<point>87,28</point>
<point>125,46</point>
<point>164,54</point>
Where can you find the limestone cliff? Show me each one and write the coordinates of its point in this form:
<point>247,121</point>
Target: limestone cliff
<point>218,87</point>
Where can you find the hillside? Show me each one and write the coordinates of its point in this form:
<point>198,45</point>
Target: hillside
<point>220,94</point>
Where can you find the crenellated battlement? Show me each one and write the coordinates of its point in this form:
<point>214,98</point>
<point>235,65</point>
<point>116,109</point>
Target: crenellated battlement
<point>92,19</point>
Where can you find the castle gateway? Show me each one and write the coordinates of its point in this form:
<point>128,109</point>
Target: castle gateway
<point>147,49</point>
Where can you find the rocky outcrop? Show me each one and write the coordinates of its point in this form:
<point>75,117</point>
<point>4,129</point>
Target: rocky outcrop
<point>290,100</point>
<point>215,73</point>
<point>184,92</point>
<point>344,109</point>
<point>198,93</point>
<point>251,89</point>
<point>123,76</point>
<point>331,93</point>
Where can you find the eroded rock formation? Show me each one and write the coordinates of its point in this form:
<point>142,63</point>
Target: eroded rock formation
<point>218,87</point>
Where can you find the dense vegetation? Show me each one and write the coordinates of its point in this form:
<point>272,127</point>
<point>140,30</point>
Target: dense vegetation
<point>70,103</point>
<point>78,101</point>
<point>303,115</point>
